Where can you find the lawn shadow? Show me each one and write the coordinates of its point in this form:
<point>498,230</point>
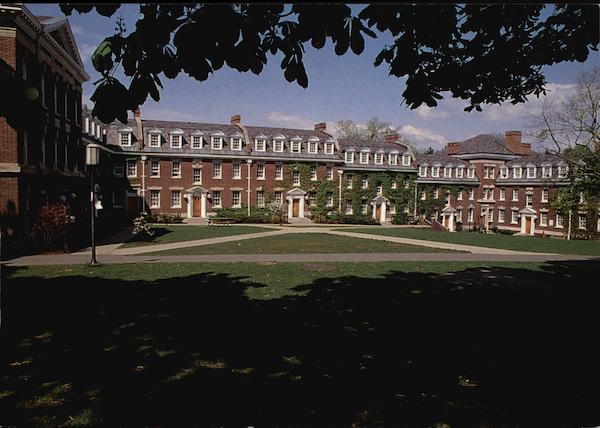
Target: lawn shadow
<point>480,347</point>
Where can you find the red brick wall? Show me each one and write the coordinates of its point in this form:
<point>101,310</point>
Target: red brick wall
<point>9,194</point>
<point>8,136</point>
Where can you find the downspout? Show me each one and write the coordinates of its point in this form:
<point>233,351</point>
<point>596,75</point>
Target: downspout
<point>237,122</point>
<point>340,173</point>
<point>415,209</point>
<point>569,231</point>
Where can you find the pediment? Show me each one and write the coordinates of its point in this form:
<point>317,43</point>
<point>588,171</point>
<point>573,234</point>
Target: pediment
<point>296,191</point>
<point>60,31</point>
<point>196,189</point>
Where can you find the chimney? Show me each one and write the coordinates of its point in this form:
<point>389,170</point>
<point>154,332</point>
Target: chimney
<point>391,138</point>
<point>513,141</point>
<point>321,126</point>
<point>452,148</point>
<point>236,119</point>
<point>137,116</point>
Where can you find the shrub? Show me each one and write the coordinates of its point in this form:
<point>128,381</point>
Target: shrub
<point>141,229</point>
<point>459,226</point>
<point>166,218</point>
<point>348,219</point>
<point>240,215</point>
<point>52,223</point>
<point>400,218</point>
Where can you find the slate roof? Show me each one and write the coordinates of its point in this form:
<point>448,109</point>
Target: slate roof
<point>535,158</point>
<point>372,145</point>
<point>441,157</point>
<point>484,143</point>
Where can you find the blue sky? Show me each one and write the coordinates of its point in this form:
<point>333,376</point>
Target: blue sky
<point>346,87</point>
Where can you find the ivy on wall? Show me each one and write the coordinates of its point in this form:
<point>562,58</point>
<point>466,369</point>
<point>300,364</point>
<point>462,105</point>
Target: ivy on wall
<point>427,206</point>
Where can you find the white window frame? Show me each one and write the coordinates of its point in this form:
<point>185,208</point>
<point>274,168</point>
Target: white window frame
<point>260,145</point>
<point>216,143</point>
<point>128,163</point>
<point>152,169</point>
<point>348,210</point>
<point>544,219</point>
<point>582,222</point>
<point>394,185</point>
<point>379,190</point>
<point>529,200</point>
<point>501,216</point>
<point>563,171</point>
<point>519,170</point>
<point>546,171</point>
<point>405,159</point>
<point>472,194</point>
<point>364,183</point>
<point>349,157</point>
<point>176,141</point>
<point>154,139</point>
<point>295,178</point>
<point>219,170</point>
<point>470,172</point>
<point>329,148</point>
<point>236,171</point>
<point>313,173</point>
<point>279,197</point>
<point>365,208</point>
<point>378,158</point>
<point>296,147</point>
<point>236,143</point>
<point>364,157</point>
<point>127,142</point>
<point>393,159</point>
<point>260,171</point>
<point>515,193</point>
<point>544,195</point>
<point>514,217</point>
<point>193,175</point>
<point>329,173</point>
<point>260,198</point>
<point>152,199</point>
<point>502,195</point>
<point>173,169</point>
<point>278,171</point>
<point>423,171</point>
<point>459,197</point>
<point>278,145</point>
<point>503,172</point>
<point>235,204</point>
<point>447,172</point>
<point>349,180</point>
<point>423,196</point>
<point>178,201</point>
<point>313,147</point>
<point>559,220</point>
<point>329,202</point>
<point>435,171</point>
<point>217,196</point>
<point>531,171</point>
<point>196,142</point>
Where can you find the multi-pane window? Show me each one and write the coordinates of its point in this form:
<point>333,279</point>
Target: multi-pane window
<point>365,183</point>
<point>154,140</point>
<point>329,199</point>
<point>448,171</point>
<point>349,181</point>
<point>260,145</point>
<point>296,178</point>
<point>154,198</point>
<point>435,171</point>
<point>329,173</point>
<point>312,199</point>
<point>394,185</point>
<point>154,168</point>
<point>216,143</point>
<point>278,171</point>
<point>328,148</point>
<point>217,169</point>
<point>216,199</point>
<point>543,219</point>
<point>470,215</point>
<point>500,216</point>
<point>544,195</point>
<point>393,159</point>
<point>528,200</point>
<point>379,190</point>
<point>131,168</point>
<point>504,172</point>
<point>364,157</point>
<point>459,197</point>
<point>489,171</point>
<point>236,144</point>
<point>279,197</point>
<point>236,200</point>
<point>516,172</point>
<point>365,207</point>
<point>197,175</point>
<point>559,220</point>
<point>312,147</point>
<point>459,212</point>
<point>260,198</point>
<point>349,157</point>
<point>488,193</point>
<point>422,171</point>
<point>260,171</point>
<point>196,141</point>
<point>436,193</point>
<point>313,173</point>
<point>502,194</point>
<point>176,169</point>
<point>117,169</point>
<point>470,172</point>
<point>278,145</point>
<point>423,195</point>
<point>546,171</point>
<point>405,160</point>
<point>515,195</point>
<point>348,207</point>
<point>563,171</point>
<point>531,171</point>
<point>175,198</point>
<point>237,171</point>
<point>296,148</point>
<point>378,158</point>
<point>392,208</point>
<point>582,222</point>
<point>176,141</point>
<point>125,139</point>
<point>472,194</point>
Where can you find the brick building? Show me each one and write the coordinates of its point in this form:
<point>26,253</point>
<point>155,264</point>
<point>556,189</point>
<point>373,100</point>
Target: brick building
<point>195,168</point>
<point>44,161</point>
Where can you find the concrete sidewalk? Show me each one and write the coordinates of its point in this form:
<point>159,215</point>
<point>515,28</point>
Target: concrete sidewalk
<point>80,259</point>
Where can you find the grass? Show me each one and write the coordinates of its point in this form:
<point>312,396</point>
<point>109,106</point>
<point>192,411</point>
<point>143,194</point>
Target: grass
<point>298,243</point>
<point>269,344</point>
<point>169,234</point>
<point>507,242</point>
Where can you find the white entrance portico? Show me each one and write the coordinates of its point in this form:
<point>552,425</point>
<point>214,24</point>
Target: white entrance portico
<point>528,216</point>
<point>448,214</point>
<point>379,204</point>
<point>295,198</point>
<point>196,200</point>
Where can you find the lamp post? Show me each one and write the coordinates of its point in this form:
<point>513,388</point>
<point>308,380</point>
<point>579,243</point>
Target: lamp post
<point>249,161</point>
<point>144,159</point>
<point>92,160</point>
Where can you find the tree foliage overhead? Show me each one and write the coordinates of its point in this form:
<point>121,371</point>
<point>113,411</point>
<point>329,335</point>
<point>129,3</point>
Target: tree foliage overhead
<point>373,130</point>
<point>483,53</point>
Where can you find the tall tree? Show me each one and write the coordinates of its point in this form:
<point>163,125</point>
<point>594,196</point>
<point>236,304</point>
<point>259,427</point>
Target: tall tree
<point>373,130</point>
<point>483,53</point>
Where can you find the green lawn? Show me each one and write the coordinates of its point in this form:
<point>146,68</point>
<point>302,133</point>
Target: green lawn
<point>310,243</point>
<point>168,234</point>
<point>300,344</point>
<point>508,242</point>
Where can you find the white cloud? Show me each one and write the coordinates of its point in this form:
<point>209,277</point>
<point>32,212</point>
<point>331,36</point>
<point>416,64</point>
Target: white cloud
<point>290,121</point>
<point>168,114</point>
<point>429,113</point>
<point>421,137</point>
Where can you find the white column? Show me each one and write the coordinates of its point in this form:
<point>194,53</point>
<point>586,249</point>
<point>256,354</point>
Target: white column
<point>374,205</point>
<point>451,222</point>
<point>290,212</point>
<point>523,223</point>
<point>203,205</point>
<point>532,226</point>
<point>190,201</point>
<point>301,214</point>
<point>383,210</point>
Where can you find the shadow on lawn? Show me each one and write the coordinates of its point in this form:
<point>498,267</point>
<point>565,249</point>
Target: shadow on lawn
<point>493,347</point>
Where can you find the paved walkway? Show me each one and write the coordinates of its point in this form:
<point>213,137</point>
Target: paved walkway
<point>111,253</point>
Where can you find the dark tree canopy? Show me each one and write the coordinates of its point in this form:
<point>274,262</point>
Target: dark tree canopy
<point>483,53</point>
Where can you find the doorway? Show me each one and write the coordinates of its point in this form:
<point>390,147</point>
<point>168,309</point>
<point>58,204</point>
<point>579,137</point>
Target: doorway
<point>196,208</point>
<point>295,207</point>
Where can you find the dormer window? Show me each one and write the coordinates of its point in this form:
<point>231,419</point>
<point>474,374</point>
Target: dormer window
<point>216,143</point>
<point>516,172</point>
<point>328,148</point>
<point>460,170</point>
<point>503,172</point>
<point>260,145</point>
<point>296,147</point>
<point>393,159</point>
<point>349,157</point>
<point>278,146</point>
<point>563,171</point>
<point>176,141</point>
<point>405,159</point>
<point>448,171</point>
<point>435,171</point>
<point>312,147</point>
<point>154,139</point>
<point>124,137</point>
<point>471,172</point>
<point>379,158</point>
<point>236,143</point>
<point>423,171</point>
<point>364,157</point>
<point>546,171</point>
<point>531,170</point>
